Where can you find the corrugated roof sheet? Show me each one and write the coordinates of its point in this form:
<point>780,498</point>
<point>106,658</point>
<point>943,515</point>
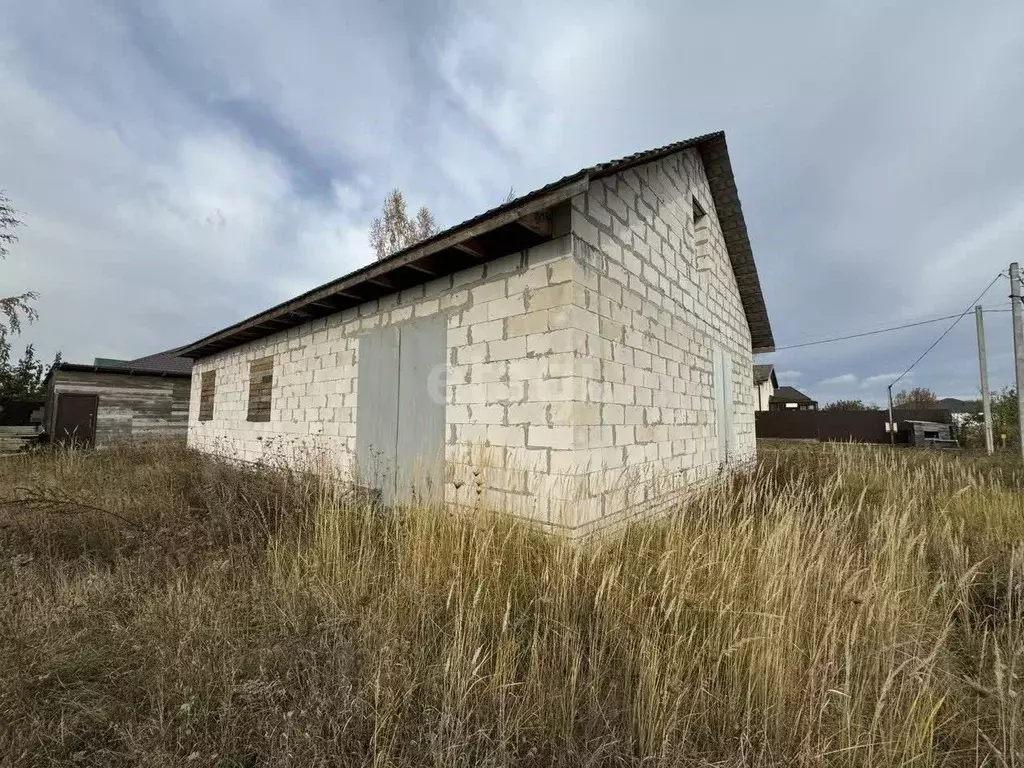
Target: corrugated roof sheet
<point>162,362</point>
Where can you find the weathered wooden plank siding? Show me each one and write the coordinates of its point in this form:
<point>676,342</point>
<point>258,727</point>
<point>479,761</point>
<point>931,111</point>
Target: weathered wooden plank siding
<point>130,407</point>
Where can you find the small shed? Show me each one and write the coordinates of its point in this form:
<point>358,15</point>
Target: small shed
<point>928,434</point>
<point>98,405</point>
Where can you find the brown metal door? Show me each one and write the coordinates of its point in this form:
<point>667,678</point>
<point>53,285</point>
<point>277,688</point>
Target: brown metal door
<point>76,420</point>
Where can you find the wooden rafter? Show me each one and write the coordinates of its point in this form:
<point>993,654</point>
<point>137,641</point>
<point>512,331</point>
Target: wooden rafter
<point>419,267</point>
<point>473,247</point>
<point>464,239</point>
<point>328,304</point>
<point>539,223</point>
<point>383,282</point>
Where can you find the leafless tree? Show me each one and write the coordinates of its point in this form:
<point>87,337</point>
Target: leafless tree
<point>918,397</point>
<point>394,230</point>
<point>13,308</point>
<point>849,405</point>
<point>425,226</point>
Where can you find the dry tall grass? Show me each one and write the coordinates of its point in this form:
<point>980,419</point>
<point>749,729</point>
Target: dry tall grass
<point>840,606</point>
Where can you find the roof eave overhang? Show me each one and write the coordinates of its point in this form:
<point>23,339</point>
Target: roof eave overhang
<point>474,241</point>
<point>82,368</point>
<point>718,169</point>
<point>526,221</point>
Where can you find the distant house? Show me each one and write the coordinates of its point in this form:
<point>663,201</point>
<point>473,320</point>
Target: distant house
<point>100,404</point>
<point>765,384</point>
<point>961,411</point>
<point>789,398</point>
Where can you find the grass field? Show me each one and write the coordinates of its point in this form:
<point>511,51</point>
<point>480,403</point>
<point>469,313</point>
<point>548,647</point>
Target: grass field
<point>841,605</point>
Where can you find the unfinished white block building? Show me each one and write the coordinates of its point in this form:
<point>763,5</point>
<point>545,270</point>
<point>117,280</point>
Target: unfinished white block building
<point>577,356</point>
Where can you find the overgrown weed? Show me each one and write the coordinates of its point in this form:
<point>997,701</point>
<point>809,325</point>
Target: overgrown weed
<point>840,606</point>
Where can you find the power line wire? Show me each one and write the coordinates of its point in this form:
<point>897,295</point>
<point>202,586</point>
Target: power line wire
<point>946,332</point>
<point>880,330</point>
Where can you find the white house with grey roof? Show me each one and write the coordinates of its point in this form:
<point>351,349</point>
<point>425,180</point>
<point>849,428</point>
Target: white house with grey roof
<point>765,384</point>
<point>577,356</point>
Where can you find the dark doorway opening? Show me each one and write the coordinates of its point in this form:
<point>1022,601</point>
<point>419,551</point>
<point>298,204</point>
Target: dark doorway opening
<point>75,425</point>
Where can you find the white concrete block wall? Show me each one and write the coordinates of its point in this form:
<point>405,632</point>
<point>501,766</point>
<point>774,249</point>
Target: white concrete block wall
<point>652,305</point>
<point>512,380</point>
<point>313,400</point>
<point>511,384</point>
<point>579,388</point>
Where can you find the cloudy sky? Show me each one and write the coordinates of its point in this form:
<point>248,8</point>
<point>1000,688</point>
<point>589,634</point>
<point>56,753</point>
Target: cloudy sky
<point>181,164</point>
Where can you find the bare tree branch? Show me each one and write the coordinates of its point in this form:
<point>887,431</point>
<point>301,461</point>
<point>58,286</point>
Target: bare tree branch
<point>58,501</point>
<point>14,308</point>
<point>8,223</point>
<point>918,397</point>
<point>425,226</point>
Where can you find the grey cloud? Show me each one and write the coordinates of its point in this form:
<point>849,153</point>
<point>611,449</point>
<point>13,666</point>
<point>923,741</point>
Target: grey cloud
<point>841,380</point>
<point>232,153</point>
<point>882,380</point>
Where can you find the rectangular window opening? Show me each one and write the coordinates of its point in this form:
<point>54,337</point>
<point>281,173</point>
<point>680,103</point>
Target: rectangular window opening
<point>207,390</point>
<point>261,385</point>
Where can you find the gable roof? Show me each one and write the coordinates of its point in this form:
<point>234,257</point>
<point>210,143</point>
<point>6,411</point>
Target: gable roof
<point>163,364</point>
<point>764,372</point>
<point>516,225</point>
<point>790,395</point>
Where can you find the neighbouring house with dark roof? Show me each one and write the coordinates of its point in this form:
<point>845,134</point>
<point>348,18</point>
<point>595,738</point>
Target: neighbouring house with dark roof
<point>577,356</point>
<point>962,411</point>
<point>765,384</point>
<point>114,400</point>
<point>790,398</point>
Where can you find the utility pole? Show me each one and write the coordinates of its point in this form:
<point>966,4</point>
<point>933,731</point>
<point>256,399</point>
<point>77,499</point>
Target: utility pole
<point>986,402</point>
<point>1018,349</point>
<point>892,425</point>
